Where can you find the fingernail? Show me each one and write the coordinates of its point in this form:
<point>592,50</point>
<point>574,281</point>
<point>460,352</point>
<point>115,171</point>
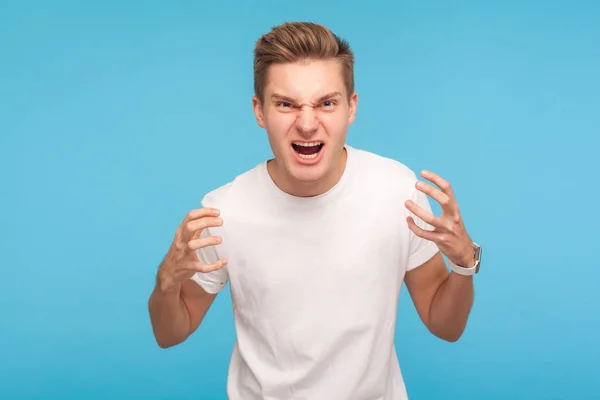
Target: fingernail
<point>218,220</point>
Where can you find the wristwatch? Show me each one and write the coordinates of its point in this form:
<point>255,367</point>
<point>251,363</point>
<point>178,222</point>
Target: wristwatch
<point>467,271</point>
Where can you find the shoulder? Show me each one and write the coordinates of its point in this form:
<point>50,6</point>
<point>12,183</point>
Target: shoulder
<point>381,170</point>
<point>220,196</point>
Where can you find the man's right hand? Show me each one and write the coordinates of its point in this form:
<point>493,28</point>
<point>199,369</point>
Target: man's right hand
<point>181,261</point>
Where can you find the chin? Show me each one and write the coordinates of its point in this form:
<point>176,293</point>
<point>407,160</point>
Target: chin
<point>304,175</point>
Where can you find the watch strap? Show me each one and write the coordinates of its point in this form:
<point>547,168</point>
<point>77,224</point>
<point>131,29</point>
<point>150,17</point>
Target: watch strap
<point>462,270</point>
<point>468,271</point>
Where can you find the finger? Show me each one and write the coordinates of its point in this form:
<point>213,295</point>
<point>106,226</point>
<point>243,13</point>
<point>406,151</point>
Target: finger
<point>193,227</point>
<point>424,215</point>
<point>201,212</point>
<point>446,202</point>
<point>199,266</point>
<point>193,215</point>
<point>425,234</point>
<point>443,184</point>
<point>196,244</point>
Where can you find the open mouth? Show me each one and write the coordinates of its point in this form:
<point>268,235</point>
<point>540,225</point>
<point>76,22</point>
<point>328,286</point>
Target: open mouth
<point>307,150</point>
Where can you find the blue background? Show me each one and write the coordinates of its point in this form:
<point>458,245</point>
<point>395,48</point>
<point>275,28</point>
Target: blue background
<point>117,117</point>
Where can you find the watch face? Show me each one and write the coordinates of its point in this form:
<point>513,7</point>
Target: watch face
<point>477,255</point>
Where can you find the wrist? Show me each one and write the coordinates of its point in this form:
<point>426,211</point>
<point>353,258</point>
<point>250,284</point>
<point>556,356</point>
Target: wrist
<point>467,257</point>
<point>467,261</point>
<point>165,284</point>
<point>468,264</point>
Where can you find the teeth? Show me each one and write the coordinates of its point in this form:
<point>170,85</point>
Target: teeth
<point>310,144</point>
<point>308,157</point>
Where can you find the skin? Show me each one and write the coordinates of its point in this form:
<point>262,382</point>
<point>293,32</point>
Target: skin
<point>177,305</point>
<point>443,299</point>
<point>308,102</point>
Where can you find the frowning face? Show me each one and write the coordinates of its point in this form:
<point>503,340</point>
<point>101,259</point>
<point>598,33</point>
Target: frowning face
<point>306,113</point>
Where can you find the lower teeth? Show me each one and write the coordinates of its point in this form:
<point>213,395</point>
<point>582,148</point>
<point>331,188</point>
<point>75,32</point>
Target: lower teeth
<point>308,156</point>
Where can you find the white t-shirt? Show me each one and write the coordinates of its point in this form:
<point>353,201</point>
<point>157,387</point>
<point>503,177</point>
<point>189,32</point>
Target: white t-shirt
<point>315,281</point>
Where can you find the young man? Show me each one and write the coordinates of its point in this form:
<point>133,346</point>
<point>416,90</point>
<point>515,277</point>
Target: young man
<point>316,242</point>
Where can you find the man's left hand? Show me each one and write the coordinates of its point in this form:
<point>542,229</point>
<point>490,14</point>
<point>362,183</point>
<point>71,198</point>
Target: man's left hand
<point>449,234</point>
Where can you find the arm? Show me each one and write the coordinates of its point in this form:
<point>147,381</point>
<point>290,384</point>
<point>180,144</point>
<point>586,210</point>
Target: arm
<point>443,300</point>
<point>176,313</point>
<point>177,304</point>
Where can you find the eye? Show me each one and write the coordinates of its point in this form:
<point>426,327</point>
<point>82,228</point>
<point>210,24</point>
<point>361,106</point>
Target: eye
<point>284,104</point>
<point>328,104</point>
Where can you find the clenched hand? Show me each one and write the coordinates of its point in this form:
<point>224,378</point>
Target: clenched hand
<point>181,261</point>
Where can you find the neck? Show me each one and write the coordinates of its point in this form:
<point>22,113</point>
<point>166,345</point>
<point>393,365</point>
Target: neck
<point>297,188</point>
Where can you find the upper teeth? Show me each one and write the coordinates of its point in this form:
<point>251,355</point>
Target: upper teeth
<point>310,144</point>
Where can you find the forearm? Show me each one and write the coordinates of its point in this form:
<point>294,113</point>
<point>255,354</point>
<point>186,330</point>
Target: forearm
<point>451,306</point>
<point>169,316</point>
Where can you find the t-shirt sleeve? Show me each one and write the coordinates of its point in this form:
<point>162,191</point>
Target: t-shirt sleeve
<point>420,250</point>
<point>215,281</point>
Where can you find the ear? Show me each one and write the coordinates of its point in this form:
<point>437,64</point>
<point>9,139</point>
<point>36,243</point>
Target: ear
<point>353,105</point>
<point>258,111</point>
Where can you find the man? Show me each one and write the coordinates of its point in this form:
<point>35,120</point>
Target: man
<point>316,242</point>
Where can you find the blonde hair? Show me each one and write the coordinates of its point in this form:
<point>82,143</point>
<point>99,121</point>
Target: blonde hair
<point>300,41</point>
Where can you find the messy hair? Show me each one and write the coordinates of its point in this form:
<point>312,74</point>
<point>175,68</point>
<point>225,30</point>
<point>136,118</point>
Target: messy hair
<point>300,41</point>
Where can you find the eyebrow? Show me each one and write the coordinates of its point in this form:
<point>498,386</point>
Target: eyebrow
<point>276,96</point>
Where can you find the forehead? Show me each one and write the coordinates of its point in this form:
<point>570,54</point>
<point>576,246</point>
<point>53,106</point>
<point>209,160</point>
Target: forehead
<point>305,80</point>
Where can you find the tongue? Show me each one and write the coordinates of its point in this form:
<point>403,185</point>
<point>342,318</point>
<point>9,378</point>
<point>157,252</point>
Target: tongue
<point>306,150</point>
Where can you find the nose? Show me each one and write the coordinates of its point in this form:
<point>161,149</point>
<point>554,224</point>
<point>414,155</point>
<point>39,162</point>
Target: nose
<point>307,122</point>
